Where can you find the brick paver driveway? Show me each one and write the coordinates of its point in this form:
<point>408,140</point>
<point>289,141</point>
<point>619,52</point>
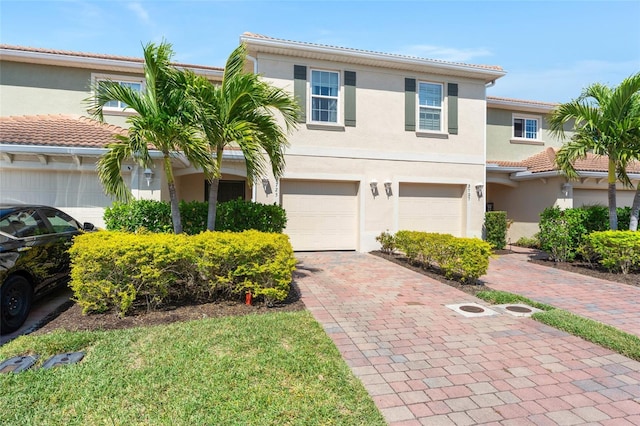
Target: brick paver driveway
<point>426,364</point>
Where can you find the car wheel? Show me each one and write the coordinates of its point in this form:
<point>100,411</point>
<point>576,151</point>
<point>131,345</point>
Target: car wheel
<point>15,303</point>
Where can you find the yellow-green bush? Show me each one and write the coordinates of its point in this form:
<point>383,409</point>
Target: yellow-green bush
<point>117,270</point>
<point>465,259</point>
<point>618,251</point>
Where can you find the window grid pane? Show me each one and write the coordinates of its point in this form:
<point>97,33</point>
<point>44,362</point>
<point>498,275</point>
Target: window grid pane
<point>430,95</point>
<point>531,131</point>
<point>324,96</point>
<point>429,119</point>
<point>430,102</point>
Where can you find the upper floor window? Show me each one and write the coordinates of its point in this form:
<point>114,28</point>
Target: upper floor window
<point>136,84</point>
<point>526,127</point>
<point>430,106</point>
<point>325,89</point>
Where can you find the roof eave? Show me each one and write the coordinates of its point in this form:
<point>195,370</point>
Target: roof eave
<point>331,53</point>
<point>518,105</point>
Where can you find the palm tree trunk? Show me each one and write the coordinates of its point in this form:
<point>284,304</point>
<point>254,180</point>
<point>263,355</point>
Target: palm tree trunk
<point>613,212</point>
<point>173,196</point>
<point>635,211</point>
<point>213,203</point>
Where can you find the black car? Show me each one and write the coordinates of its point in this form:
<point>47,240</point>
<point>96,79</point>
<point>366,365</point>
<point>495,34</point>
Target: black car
<point>34,259</point>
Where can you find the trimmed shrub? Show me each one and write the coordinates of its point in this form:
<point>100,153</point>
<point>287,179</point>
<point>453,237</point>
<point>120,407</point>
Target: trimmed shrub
<point>155,216</point>
<point>495,229</point>
<point>123,271</point>
<point>617,251</point>
<point>531,242</point>
<point>562,231</point>
<point>241,215</point>
<point>465,259</point>
<point>387,242</point>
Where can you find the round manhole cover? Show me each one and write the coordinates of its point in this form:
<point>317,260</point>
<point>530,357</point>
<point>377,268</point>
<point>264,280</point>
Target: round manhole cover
<point>471,309</point>
<point>520,309</point>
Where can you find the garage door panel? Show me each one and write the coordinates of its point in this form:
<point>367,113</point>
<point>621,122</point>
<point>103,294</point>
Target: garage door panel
<point>321,215</point>
<point>431,208</point>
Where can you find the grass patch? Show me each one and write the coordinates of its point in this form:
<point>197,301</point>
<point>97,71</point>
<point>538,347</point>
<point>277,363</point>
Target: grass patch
<point>272,369</point>
<point>604,335</point>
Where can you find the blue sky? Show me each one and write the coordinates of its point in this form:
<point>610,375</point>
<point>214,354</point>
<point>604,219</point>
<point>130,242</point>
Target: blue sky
<point>550,50</point>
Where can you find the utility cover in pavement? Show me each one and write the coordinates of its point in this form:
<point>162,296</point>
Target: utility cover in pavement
<point>471,310</point>
<point>517,309</point>
<point>63,359</point>
<point>18,364</point>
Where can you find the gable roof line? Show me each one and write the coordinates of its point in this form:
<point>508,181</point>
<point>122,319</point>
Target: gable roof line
<point>90,60</point>
<point>294,48</point>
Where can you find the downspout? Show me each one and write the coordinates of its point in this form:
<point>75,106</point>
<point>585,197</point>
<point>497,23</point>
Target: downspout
<point>254,187</point>
<point>490,84</point>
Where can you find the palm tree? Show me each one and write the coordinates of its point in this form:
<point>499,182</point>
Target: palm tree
<point>164,121</point>
<point>242,112</point>
<point>605,123</point>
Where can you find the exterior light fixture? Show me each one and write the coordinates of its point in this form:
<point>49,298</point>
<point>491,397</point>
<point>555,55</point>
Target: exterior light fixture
<point>148,175</point>
<point>387,188</point>
<point>479,189</point>
<point>374,187</point>
<point>566,189</point>
<point>266,185</point>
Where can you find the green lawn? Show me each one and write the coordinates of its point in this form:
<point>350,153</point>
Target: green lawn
<point>272,369</point>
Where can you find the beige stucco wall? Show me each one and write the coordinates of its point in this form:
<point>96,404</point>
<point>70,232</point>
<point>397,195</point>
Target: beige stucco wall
<point>501,145</point>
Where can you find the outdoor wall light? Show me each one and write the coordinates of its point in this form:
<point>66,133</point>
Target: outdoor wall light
<point>148,175</point>
<point>374,187</point>
<point>566,189</point>
<point>479,189</point>
<point>266,185</point>
<point>387,188</point>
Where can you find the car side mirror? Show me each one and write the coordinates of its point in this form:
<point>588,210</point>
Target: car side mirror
<point>88,226</point>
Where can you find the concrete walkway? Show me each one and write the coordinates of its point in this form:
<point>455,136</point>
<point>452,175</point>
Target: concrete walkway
<point>425,364</point>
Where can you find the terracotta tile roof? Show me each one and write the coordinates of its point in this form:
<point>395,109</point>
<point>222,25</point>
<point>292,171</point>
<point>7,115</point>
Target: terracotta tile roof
<point>544,161</point>
<point>96,56</point>
<point>57,130</point>
<point>348,49</point>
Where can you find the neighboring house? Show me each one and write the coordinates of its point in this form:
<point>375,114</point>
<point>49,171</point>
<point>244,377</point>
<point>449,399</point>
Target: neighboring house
<point>522,178</point>
<point>48,152</point>
<point>386,142</point>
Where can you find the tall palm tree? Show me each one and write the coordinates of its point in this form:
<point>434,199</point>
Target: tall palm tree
<point>244,112</point>
<point>164,120</point>
<point>605,123</point>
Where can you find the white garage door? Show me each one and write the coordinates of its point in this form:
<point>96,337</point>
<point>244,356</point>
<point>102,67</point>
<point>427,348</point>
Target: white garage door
<point>321,215</point>
<point>589,197</point>
<point>431,208</point>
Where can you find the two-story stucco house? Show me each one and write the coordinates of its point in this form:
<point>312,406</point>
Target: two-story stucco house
<point>386,142</point>
<point>522,178</point>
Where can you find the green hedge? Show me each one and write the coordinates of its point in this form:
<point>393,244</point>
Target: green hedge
<point>617,251</point>
<point>563,231</point>
<point>155,216</point>
<point>123,271</point>
<point>495,229</point>
<point>465,259</point>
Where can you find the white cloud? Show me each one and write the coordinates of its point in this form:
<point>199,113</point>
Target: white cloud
<point>445,53</point>
<point>140,11</point>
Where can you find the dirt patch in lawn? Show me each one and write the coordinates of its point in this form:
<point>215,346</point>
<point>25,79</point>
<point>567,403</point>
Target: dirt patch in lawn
<point>587,269</point>
<point>71,318</point>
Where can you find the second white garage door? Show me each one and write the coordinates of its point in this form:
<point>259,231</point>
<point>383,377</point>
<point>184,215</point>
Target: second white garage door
<point>321,215</point>
<point>431,208</point>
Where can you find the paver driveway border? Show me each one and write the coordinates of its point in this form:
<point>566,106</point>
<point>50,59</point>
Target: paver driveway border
<point>424,364</point>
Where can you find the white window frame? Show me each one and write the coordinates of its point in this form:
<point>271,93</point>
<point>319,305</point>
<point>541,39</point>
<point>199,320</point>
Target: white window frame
<point>337,98</point>
<point>96,78</point>
<point>525,117</point>
<point>429,107</point>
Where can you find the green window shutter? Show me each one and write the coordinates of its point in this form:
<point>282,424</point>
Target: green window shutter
<point>452,93</point>
<point>350,98</point>
<point>300,90</point>
<point>410,104</point>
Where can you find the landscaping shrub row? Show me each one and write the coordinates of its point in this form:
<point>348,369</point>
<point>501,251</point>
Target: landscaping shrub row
<point>155,216</point>
<point>465,259</point>
<point>617,251</point>
<point>123,271</point>
<point>562,232</point>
